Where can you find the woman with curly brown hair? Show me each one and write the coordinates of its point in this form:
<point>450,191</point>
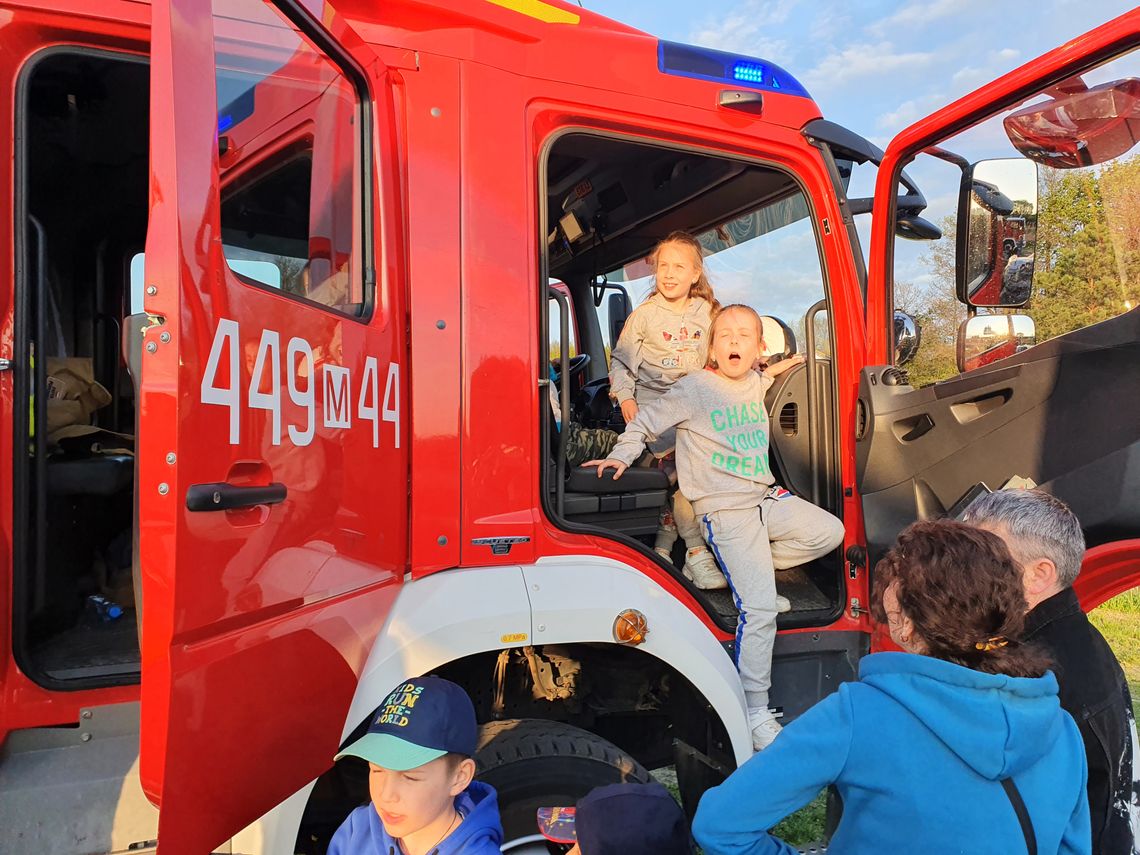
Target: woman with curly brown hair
<point>958,744</point>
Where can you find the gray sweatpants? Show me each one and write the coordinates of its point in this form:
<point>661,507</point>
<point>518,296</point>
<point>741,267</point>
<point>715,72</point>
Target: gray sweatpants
<point>750,545</point>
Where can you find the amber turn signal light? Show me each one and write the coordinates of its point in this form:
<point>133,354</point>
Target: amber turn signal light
<point>631,627</point>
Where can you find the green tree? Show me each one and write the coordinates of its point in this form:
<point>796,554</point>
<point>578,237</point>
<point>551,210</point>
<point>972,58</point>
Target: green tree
<point>1087,247</point>
<point>937,311</point>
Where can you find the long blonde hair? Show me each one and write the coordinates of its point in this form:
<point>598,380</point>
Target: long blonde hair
<point>702,287</point>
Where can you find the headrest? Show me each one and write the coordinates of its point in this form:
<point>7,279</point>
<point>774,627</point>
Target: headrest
<point>778,338</point>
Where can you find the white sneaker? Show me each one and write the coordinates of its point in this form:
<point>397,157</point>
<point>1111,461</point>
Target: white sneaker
<point>667,554</point>
<point>783,604</point>
<point>700,567</point>
<point>765,728</point>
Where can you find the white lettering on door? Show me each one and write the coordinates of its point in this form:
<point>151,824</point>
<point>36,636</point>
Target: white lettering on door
<point>307,399</point>
<point>336,397</point>
<point>392,398</point>
<point>221,386</point>
<point>267,352</point>
<point>368,408</point>
<point>225,336</point>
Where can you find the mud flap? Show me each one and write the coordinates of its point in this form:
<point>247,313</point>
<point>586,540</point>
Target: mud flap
<point>696,772</point>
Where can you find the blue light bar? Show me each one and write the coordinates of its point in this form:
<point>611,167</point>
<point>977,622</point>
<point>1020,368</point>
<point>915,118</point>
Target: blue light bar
<point>749,72</point>
<point>720,67</point>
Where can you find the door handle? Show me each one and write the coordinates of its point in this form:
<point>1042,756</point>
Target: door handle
<point>908,430</point>
<point>975,408</point>
<point>227,497</point>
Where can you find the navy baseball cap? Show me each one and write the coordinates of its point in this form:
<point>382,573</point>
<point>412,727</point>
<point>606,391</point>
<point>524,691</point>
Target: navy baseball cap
<point>623,819</point>
<point>420,721</point>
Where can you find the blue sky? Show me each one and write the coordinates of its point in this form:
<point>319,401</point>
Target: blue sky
<point>874,66</point>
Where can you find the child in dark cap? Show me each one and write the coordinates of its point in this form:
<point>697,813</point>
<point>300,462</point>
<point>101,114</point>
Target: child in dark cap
<point>424,802</point>
<point>619,819</point>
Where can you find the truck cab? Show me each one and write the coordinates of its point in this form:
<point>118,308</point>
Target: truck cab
<point>305,297</point>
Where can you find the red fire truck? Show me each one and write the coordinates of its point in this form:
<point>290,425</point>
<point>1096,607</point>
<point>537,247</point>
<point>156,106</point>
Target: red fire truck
<point>278,350</point>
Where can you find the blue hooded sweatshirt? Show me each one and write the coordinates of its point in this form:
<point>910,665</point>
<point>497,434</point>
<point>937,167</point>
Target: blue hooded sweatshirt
<point>917,749</point>
<point>480,832</point>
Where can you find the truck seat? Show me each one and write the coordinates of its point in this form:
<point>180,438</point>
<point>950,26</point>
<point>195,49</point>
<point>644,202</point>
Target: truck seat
<point>630,505</point>
<point>97,475</point>
<point>779,340</point>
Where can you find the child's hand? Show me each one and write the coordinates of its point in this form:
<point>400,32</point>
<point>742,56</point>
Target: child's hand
<point>608,463</point>
<point>629,410</point>
<point>778,368</point>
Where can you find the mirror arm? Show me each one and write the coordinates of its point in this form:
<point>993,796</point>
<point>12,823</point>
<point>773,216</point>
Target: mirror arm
<point>844,141</point>
<point>949,157</point>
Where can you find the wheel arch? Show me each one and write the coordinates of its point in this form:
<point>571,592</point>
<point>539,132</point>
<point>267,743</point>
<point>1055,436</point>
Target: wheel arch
<point>566,600</point>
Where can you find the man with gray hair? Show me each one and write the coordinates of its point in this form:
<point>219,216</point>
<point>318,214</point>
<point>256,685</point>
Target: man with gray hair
<point>1045,538</point>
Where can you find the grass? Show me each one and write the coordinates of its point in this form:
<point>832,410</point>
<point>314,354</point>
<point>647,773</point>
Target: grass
<point>805,825</point>
<point>1119,622</point>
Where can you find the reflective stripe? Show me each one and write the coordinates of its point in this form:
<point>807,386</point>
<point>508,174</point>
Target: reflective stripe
<point>539,10</point>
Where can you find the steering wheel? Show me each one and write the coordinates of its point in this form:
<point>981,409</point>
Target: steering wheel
<point>576,367</point>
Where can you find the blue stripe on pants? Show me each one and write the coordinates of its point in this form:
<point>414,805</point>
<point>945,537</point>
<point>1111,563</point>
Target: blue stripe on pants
<point>741,617</point>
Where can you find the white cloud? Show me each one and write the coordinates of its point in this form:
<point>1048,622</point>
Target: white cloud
<point>830,23</point>
<point>969,77</point>
<point>909,111</point>
<point>916,15</point>
<point>747,29</point>
<point>864,60</point>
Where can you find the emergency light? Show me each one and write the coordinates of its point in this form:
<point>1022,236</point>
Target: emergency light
<point>720,67</point>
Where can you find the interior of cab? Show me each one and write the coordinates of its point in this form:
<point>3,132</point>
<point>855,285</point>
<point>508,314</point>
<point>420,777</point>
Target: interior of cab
<point>608,202</point>
<point>82,216</point>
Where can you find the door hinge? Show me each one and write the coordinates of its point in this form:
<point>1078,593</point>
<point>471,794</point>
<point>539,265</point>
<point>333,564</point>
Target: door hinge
<point>5,364</point>
<point>856,608</point>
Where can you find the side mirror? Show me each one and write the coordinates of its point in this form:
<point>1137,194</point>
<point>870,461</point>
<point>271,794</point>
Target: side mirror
<point>997,233</point>
<point>1080,127</point>
<point>984,339</point>
<point>908,336</point>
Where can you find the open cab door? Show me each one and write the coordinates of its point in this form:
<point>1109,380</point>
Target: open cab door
<point>1030,315</point>
<point>272,471</point>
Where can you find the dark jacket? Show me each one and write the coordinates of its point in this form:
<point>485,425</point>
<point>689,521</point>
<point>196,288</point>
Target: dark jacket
<point>1095,694</point>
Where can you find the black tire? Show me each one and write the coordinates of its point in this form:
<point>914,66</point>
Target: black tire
<point>535,763</point>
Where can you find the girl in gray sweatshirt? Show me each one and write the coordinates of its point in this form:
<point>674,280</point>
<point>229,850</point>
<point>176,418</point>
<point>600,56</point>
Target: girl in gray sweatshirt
<point>664,339</point>
<point>752,525</point>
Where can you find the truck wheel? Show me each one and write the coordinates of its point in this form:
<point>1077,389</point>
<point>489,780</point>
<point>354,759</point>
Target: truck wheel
<point>534,763</point>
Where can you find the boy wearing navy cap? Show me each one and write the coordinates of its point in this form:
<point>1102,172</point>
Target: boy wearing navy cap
<point>424,799</point>
<point>619,819</point>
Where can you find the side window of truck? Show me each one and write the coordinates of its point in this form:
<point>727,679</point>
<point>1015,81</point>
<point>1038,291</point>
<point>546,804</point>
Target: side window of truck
<point>290,161</point>
<point>1050,248</point>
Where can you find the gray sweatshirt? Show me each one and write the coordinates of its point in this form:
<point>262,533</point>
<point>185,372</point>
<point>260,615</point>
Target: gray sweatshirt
<point>658,345</point>
<point>722,438</point>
